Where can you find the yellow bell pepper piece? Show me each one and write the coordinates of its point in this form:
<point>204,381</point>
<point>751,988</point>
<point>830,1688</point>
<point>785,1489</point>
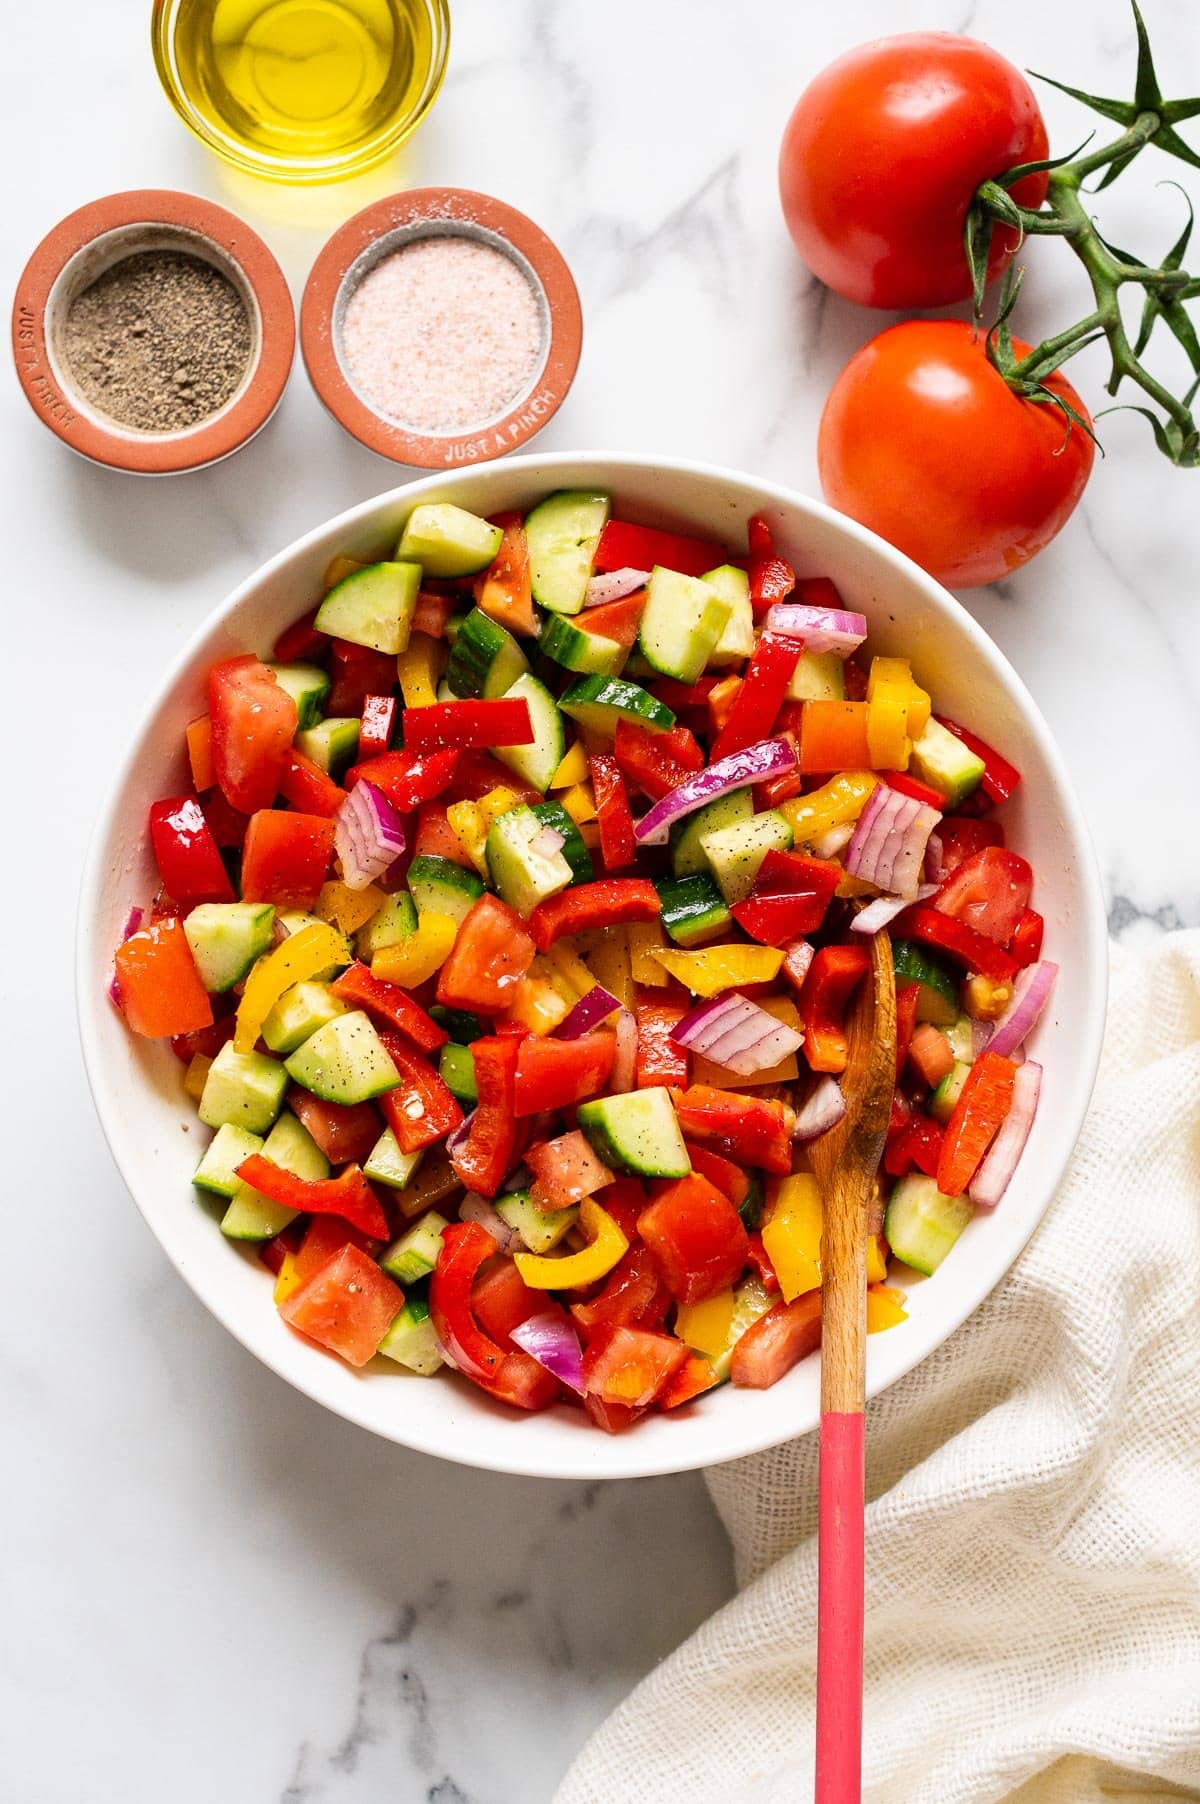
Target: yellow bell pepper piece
<point>416,669</point>
<point>885,1308</point>
<point>572,769</point>
<point>416,958</point>
<point>888,743</point>
<point>645,939</point>
<point>849,887</point>
<point>876,1259</point>
<point>337,570</point>
<point>348,909</point>
<point>589,833</point>
<point>893,676</point>
<point>579,803</point>
<point>717,968</point>
<point>572,1272</point>
<point>195,1075</point>
<point>570,975</point>
<point>470,830</point>
<point>286,1280</point>
<point>837,802</point>
<point>302,955</point>
<point>785,1071</point>
<point>792,1235</point>
<point>607,956</point>
<point>537,1005</point>
<point>705,1326</point>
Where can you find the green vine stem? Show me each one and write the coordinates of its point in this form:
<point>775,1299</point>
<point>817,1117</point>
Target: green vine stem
<point>1147,119</point>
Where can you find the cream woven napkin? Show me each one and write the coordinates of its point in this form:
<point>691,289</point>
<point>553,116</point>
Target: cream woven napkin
<point>1033,1530</point>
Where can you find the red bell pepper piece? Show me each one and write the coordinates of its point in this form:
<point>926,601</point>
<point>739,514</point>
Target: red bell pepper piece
<point>198,734</point>
<point>556,1074</point>
<point>458,725</point>
<point>656,762</point>
<point>633,1294</point>
<point>308,788</point>
<point>487,1155</point>
<point>623,546</point>
<point>300,643</point>
<point>391,1003</point>
<point>286,857</point>
<point>348,1195</point>
<point>660,1059</point>
<point>907,997</point>
<point>347,1306</point>
<point>512,1377</point>
<point>610,902</point>
<point>345,1132</point>
<point>917,1141</point>
<point>695,1376</point>
<point>989,893</point>
<point>478,773</point>
<point>759,1261</point>
<point>761,695</point>
<point>754,1130</point>
<point>356,672</point>
<point>983,1103</point>
<point>974,950</point>
<point>683,697</point>
<point>962,836</point>
<point>790,897</point>
<point>406,778</point>
<point>696,1235</point>
<point>832,977</point>
<point>777,1341</point>
<point>617,620</point>
<point>420,1109</point>
<point>772,578</point>
<point>631,1367</point>
<point>1000,778</point>
<point>253,724</point>
<point>378,725</point>
<point>186,853</point>
<point>912,786</point>
<point>729,1178</point>
<point>157,982</point>
<point>618,848</point>
<point>1026,942</point>
<point>489,958</point>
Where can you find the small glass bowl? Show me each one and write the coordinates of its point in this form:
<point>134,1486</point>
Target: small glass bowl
<point>219,135</point>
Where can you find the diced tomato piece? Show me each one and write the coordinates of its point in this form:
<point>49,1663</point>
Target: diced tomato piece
<point>301,642</point>
<point>512,1377</point>
<point>1026,942</point>
<point>405,778</point>
<point>347,1306</point>
<point>273,1252</point>
<point>617,620</point>
<point>555,1074</point>
<point>503,592</point>
<point>378,725</point>
<point>420,1109</point>
<point>432,613</point>
<point>777,1341</point>
<point>908,995</point>
<point>436,838</point>
<point>695,1376</point>
<point>759,1261</point>
<point>226,824</point>
<point>660,1059</point>
<point>324,1237</point>
<point>207,1041</point>
<point>624,546</point>
<point>930,1054</point>
<point>729,1178</point>
<point>345,1132</point>
<point>253,724</point>
<point>565,1171</point>
<point>490,1150</point>
<point>389,1002</point>
<point>989,893</point>
<point>160,991</point>
<point>916,1141</point>
<point>186,853</point>
<point>751,1129</point>
<point>631,1366</point>
<point>962,836</point>
<point>613,1418</point>
<point>309,788</point>
<point>356,672</point>
<point>501,1300</point>
<point>696,1235</point>
<point>624,1199</point>
<point>490,956</point>
<point>286,857</point>
<point>633,1294</point>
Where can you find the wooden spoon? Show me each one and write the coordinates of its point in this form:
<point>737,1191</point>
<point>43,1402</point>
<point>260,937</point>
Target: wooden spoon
<point>845,1161</point>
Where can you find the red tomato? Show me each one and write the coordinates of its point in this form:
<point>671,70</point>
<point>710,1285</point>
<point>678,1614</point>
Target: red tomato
<point>501,1300</point>
<point>344,1132</point>
<point>696,1235</point>
<point>631,1366</point>
<point>962,837</point>
<point>492,953</point>
<point>157,982</point>
<point>253,723</point>
<point>286,857</point>
<point>883,154</point>
<point>347,1306</point>
<point>553,1074</point>
<point>923,441</point>
<point>990,892</point>
<point>777,1341</point>
<point>633,1293</point>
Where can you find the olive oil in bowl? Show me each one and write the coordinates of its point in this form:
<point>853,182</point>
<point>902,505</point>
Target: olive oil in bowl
<point>301,90</point>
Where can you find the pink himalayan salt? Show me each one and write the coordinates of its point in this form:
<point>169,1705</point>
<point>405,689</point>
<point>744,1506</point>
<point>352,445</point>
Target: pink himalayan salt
<point>443,334</point>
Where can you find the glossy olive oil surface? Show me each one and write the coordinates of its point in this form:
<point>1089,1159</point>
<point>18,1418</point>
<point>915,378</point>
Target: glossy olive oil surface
<point>302,79</point>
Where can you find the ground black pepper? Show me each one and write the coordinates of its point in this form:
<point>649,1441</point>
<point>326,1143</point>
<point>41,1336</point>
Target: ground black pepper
<point>158,342</point>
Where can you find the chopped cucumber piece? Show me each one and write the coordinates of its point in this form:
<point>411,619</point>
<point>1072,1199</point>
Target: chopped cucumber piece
<point>373,607</point>
<point>438,886</point>
<point>457,1068</point>
<point>252,1216</point>
<point>388,1165</point>
<point>752,1206</point>
<point>553,814</point>
<point>735,853</point>
<point>245,1088</point>
<point>575,649</point>
<point>599,702</point>
<point>391,923</point>
<point>944,762</point>
<point>411,1341</point>
<point>687,854</point>
<point>681,624</point>
<point>751,1301</point>
<point>945,1098</point>
<point>226,938</point>
<point>463,1027</point>
<point>448,541</point>
<point>332,743</point>
<point>693,908</point>
<point>217,1170</point>
<point>308,685</point>
<point>298,1014</point>
<point>637,1132</point>
<point>524,876</point>
<point>961,1035</point>
<point>819,676</point>
<point>938,1000</point>
<point>562,533</point>
<point>344,1061</point>
<point>921,1225</point>
<point>415,1254</point>
<point>737,635</point>
<point>537,762</point>
<point>538,1229</point>
<point>485,660</point>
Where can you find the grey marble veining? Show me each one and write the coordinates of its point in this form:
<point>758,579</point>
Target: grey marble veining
<point>211,1589</point>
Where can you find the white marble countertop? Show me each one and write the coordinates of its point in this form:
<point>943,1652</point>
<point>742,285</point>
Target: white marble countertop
<point>211,1588</point>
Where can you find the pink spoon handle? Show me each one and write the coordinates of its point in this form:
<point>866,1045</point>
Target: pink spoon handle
<point>840,1609</point>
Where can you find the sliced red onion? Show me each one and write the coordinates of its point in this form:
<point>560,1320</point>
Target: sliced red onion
<point>834,840</point>
<point>477,1208</point>
<point>588,1012</point>
<point>883,909</point>
<point>935,859</point>
<point>822,629</point>
<point>624,1067</point>
<point>457,1139</point>
<point>822,1110</point>
<point>734,1032</point>
<point>612,585</point>
<point>551,1340</point>
<point>888,848</point>
<point>133,924</point>
<point>767,758</point>
<point>368,836</point>
<point>1031,992</point>
<point>547,841</point>
<point>992,1179</point>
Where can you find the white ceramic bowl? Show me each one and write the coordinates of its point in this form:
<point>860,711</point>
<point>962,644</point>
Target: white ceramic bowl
<point>137,1086</point>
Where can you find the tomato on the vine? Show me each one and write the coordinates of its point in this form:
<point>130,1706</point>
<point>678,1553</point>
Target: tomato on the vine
<point>883,154</point>
<point>923,441</point>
